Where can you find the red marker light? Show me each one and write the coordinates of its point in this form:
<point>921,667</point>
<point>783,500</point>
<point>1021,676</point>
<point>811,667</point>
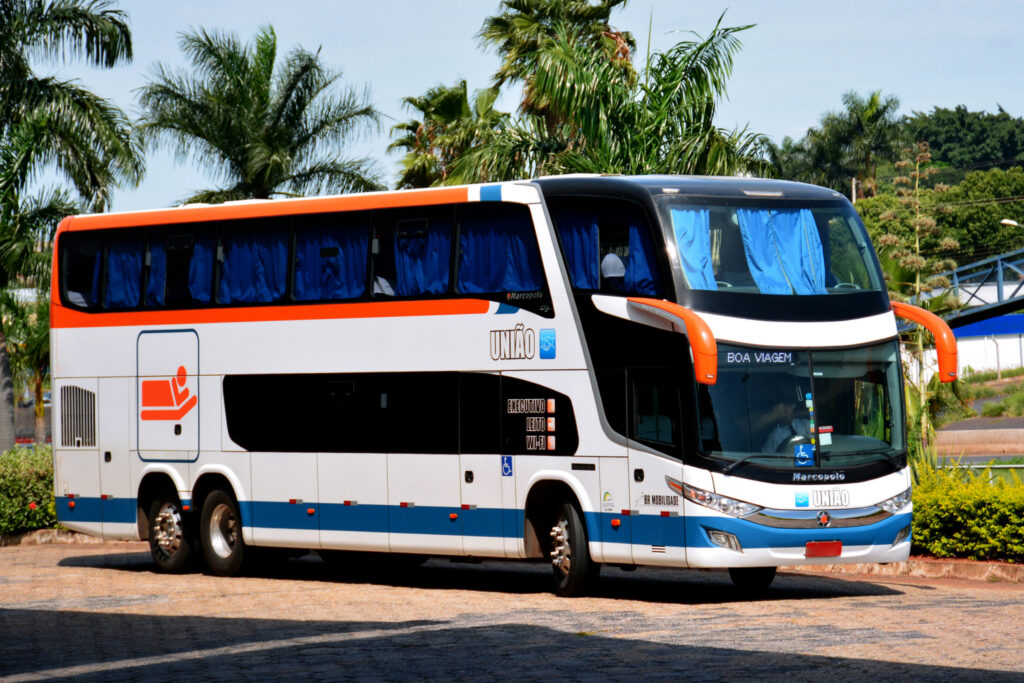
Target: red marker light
<point>310,511</point>
<point>186,508</point>
<point>71,504</point>
<point>616,523</point>
<point>453,516</point>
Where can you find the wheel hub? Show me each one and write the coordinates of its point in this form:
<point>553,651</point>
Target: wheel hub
<point>561,552</point>
<point>167,529</point>
<point>223,530</point>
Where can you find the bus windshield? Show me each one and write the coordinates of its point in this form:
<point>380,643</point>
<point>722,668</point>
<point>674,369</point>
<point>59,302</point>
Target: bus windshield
<point>758,247</point>
<point>804,410</point>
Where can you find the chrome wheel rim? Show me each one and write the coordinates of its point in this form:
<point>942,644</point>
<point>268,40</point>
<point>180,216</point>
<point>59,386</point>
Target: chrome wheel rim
<point>167,529</point>
<point>561,552</point>
<point>223,530</point>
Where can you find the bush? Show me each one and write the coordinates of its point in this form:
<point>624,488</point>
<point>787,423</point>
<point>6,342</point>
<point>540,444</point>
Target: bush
<point>26,490</point>
<point>959,513</point>
<point>993,409</point>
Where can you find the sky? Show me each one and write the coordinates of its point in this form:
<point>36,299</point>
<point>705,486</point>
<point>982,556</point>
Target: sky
<point>796,62</point>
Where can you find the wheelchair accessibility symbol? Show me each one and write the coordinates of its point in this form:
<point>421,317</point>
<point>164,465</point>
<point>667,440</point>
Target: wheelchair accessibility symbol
<point>506,465</point>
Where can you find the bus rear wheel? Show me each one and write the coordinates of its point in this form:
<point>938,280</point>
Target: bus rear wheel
<point>574,571</point>
<point>220,528</point>
<point>170,542</point>
<point>752,579</point>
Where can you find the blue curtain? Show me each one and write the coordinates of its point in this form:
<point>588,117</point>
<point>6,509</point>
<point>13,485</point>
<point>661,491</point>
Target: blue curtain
<point>783,250</point>
<point>200,269</point>
<point>254,269</point>
<point>124,274</point>
<point>330,263</point>
<point>498,254</point>
<point>692,229</point>
<point>157,278</point>
<point>423,259</point>
<point>640,266</point>
<point>581,248</point>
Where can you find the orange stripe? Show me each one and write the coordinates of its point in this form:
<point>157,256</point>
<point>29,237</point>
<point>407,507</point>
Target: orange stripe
<point>62,317</point>
<point>283,207</point>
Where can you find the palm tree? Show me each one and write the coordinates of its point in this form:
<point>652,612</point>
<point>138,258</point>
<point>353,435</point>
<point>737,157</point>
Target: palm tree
<point>451,124</point>
<point>871,132</point>
<point>263,133</point>
<point>46,122</point>
<point>28,329</point>
<point>661,121</point>
<point>56,122</point>
<point>525,28</point>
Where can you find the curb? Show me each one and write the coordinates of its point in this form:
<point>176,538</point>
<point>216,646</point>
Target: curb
<point>926,567</point>
<point>49,537</point>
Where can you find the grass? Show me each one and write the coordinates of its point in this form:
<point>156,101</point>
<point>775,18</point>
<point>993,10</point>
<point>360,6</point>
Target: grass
<point>989,375</point>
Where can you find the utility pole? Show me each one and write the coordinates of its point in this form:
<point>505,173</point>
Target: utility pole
<point>853,190</point>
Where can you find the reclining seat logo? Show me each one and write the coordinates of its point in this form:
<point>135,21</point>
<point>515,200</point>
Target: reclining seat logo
<point>167,399</point>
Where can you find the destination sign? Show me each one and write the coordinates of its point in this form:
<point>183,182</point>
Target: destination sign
<point>757,358</point>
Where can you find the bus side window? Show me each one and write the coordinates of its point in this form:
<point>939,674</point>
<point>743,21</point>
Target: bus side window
<point>607,245</point>
<point>253,262</point>
<point>82,266</point>
<point>180,269</point>
<point>497,250</point>
<point>423,249</point>
<point>420,412</point>
<point>479,413</point>
<point>655,409</point>
<point>331,256</point>
<point>123,274</point>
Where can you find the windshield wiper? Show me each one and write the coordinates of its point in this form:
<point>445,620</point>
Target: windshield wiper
<point>894,458</point>
<point>772,456</point>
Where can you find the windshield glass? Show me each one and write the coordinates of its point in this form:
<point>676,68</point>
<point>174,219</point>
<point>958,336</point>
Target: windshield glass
<point>775,248</point>
<point>804,410</point>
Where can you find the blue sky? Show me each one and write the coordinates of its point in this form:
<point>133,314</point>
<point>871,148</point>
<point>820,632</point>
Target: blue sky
<point>795,64</point>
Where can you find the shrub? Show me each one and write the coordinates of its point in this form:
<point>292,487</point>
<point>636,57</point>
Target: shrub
<point>26,490</point>
<point>993,409</point>
<point>959,513</point>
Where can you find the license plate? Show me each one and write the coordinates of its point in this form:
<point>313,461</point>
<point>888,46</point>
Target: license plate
<point>823,549</point>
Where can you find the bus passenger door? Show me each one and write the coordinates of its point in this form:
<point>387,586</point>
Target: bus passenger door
<point>486,476</point>
<point>168,391</point>
<point>421,421</point>
<point>353,475</point>
<point>655,428</point>
<point>117,499</point>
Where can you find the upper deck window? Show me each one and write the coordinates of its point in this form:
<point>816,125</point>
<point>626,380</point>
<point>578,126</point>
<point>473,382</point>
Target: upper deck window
<point>498,250</point>
<point>330,256</point>
<point>253,264</point>
<point>779,249</point>
<point>607,245</point>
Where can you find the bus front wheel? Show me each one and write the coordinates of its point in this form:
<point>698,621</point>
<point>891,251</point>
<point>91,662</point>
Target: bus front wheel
<point>570,556</point>
<point>221,533</point>
<point>170,542</point>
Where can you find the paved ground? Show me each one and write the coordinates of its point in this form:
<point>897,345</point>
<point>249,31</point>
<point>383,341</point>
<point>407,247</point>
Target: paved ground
<point>97,612</point>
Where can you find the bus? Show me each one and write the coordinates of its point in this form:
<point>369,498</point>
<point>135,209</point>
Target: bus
<point>584,370</point>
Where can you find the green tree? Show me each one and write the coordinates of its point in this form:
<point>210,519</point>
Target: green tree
<point>613,121</point>
<point>27,328</point>
<point>46,122</point>
<point>970,139</point>
<point>848,144</point>
<point>449,124</point>
<point>914,275</point>
<point>524,29</point>
<point>262,133</point>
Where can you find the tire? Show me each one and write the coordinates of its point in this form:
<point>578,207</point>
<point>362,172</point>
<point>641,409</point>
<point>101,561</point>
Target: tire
<point>220,528</point>
<point>574,571</point>
<point>171,541</point>
<point>752,580</point>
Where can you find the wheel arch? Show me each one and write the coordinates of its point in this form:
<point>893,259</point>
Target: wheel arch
<point>218,477</point>
<point>546,492</point>
<point>154,482</point>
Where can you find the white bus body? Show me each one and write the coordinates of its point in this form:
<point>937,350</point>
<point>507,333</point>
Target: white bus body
<point>510,398</point>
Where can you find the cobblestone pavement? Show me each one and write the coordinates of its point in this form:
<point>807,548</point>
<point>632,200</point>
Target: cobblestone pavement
<point>98,612</point>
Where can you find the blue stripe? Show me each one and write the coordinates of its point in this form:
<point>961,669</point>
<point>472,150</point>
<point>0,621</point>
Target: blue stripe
<point>504,309</point>
<point>674,532</point>
<point>490,193</point>
<point>112,511</point>
<point>1012,323</point>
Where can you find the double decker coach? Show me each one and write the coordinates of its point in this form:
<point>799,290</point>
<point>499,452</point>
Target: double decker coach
<point>586,370</point>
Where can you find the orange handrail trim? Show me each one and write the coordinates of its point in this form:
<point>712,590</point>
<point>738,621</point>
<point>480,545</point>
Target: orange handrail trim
<point>703,346</point>
<point>945,341</point>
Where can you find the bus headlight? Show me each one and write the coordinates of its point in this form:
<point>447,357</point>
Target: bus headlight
<point>729,506</point>
<point>896,503</point>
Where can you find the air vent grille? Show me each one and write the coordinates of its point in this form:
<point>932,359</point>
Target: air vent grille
<point>77,417</point>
